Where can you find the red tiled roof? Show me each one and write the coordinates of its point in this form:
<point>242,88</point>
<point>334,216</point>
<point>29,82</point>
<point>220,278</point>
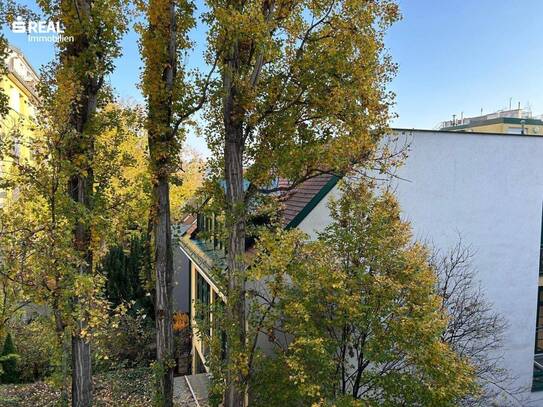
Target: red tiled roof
<point>296,200</point>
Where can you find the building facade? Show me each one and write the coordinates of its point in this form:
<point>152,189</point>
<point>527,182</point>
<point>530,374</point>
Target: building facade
<point>200,253</point>
<point>516,121</point>
<point>484,188</point>
<point>19,85</point>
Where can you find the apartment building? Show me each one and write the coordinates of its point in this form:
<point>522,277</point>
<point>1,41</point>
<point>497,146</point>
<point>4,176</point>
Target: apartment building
<point>19,85</point>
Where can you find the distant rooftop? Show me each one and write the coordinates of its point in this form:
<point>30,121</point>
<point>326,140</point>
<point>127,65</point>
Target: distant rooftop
<point>513,116</point>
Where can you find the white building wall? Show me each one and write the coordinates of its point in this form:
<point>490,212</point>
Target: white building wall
<point>488,189</point>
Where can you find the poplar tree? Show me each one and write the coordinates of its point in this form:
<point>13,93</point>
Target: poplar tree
<point>301,92</point>
<point>170,101</point>
<point>82,64</point>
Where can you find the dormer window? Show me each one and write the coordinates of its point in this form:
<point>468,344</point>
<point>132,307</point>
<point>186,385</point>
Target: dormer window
<point>210,226</point>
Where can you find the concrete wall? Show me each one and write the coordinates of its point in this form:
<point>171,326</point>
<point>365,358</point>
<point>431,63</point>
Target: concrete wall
<point>488,189</point>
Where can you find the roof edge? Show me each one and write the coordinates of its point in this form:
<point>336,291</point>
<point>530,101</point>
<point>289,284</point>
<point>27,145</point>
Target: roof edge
<point>497,120</point>
<point>464,133</point>
<point>300,216</point>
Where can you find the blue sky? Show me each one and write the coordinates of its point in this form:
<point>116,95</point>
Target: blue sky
<point>454,56</point>
<point>463,55</point>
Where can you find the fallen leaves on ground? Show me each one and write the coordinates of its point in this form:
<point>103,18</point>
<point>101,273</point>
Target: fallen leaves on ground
<point>122,388</point>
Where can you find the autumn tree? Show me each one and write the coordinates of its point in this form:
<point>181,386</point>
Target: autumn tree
<point>301,92</point>
<point>186,183</point>
<point>80,72</point>
<point>170,102</point>
<point>38,219</point>
<point>353,317</point>
<point>474,329</point>
<point>35,243</point>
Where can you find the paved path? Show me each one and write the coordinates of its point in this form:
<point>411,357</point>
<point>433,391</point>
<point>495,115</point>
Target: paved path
<point>183,395</point>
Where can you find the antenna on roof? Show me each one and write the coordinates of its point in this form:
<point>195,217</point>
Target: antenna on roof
<point>510,99</point>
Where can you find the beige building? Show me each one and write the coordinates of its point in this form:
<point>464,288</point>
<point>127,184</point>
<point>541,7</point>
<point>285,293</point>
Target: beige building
<point>19,85</point>
<point>516,121</point>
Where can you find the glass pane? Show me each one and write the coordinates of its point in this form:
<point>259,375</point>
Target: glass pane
<point>539,327</point>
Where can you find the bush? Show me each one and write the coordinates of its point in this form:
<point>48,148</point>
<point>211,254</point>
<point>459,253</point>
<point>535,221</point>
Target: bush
<point>37,348</point>
<point>126,340</point>
<point>10,372</point>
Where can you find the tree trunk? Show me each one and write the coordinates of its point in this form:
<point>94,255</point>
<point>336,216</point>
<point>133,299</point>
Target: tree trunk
<point>80,188</point>
<point>164,276</point>
<point>81,371</point>
<point>80,191</point>
<point>235,393</point>
<point>80,57</point>
<point>162,30</point>
<point>64,345</point>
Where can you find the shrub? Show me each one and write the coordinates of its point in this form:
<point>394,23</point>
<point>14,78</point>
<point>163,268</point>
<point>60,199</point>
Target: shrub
<point>126,340</point>
<point>37,348</point>
<point>10,372</point>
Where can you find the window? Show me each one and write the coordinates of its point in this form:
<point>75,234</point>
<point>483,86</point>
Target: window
<point>22,104</point>
<point>208,227</point>
<point>203,296</point>
<point>537,381</point>
<point>211,228</point>
<point>200,367</point>
<point>16,149</point>
<point>203,313</point>
<point>218,241</point>
<point>219,311</point>
<point>15,103</point>
<point>539,322</point>
<point>514,130</point>
<point>31,110</point>
<point>202,290</point>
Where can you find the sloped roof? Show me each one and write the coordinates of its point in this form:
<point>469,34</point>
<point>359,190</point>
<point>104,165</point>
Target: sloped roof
<point>299,202</point>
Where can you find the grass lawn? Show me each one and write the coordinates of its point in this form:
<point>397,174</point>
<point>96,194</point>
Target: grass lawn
<point>123,388</point>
